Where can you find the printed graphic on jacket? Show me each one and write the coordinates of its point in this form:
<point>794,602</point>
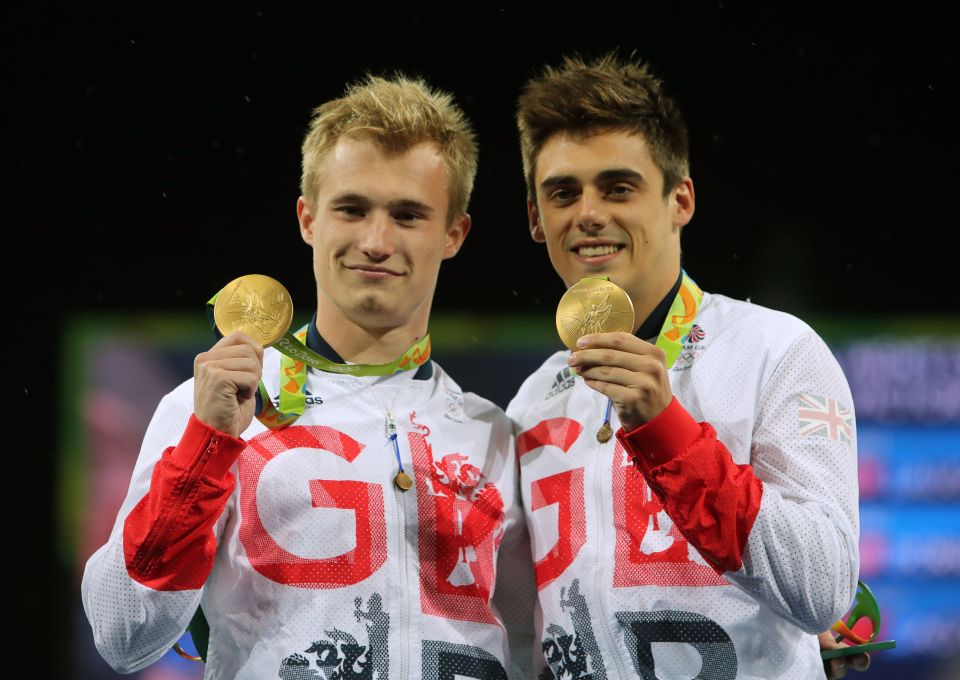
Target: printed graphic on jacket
<point>273,514</point>
<point>824,417</point>
<point>310,399</point>
<point>340,656</point>
<point>461,524</point>
<point>562,382</point>
<point>572,655</point>
<point>692,348</point>
<point>700,645</point>
<point>446,661</point>
<point>650,549</point>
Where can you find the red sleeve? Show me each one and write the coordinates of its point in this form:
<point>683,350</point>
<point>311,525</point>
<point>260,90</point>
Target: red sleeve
<point>168,540</point>
<point>712,500</point>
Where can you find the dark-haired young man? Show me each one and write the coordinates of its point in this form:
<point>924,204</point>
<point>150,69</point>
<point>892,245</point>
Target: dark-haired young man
<point>717,533</point>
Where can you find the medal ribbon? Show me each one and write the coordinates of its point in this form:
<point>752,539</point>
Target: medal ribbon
<point>680,319</point>
<point>293,372</point>
<point>683,310</point>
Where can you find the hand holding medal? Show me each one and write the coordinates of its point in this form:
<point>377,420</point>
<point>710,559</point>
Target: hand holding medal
<point>594,306</point>
<point>261,309</point>
<point>595,320</point>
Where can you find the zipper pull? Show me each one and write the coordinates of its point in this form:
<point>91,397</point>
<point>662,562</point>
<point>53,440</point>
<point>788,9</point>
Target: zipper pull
<point>391,426</point>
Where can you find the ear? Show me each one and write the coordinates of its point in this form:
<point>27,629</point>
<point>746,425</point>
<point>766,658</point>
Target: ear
<point>305,218</point>
<point>682,203</point>
<point>456,235</point>
<point>536,228</point>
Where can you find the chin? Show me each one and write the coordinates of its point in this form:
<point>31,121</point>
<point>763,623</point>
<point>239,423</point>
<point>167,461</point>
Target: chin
<point>371,304</point>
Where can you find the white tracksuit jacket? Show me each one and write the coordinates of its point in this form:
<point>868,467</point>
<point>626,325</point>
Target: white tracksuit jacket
<point>307,560</point>
<point>712,542</point>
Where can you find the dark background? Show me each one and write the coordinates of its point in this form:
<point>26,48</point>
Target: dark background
<point>153,154</point>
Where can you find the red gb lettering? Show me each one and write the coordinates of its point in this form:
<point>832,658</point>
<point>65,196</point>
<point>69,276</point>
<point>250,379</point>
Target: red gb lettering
<point>365,499</point>
<point>461,523</point>
<point>564,489</point>
<point>650,550</point>
<point>559,432</point>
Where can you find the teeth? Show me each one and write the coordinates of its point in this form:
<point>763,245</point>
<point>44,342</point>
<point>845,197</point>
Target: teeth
<point>594,251</point>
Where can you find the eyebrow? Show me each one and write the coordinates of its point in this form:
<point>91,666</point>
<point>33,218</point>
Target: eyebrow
<point>410,204</point>
<point>605,176</point>
<point>619,174</point>
<point>399,204</point>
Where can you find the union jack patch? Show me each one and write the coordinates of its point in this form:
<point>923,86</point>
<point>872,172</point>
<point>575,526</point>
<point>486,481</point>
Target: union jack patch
<point>824,417</point>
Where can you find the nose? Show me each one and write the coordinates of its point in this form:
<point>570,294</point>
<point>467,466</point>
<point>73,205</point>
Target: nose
<point>376,241</point>
<point>591,215</point>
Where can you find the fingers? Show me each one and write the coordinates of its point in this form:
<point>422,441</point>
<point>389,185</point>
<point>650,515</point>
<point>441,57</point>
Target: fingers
<point>644,382</point>
<point>238,370</point>
<point>233,349</point>
<point>838,668</point>
<point>643,375</point>
<point>226,378</point>
<point>840,665</point>
<point>607,363</point>
<point>860,662</point>
<point>238,339</point>
<point>626,342</point>
<point>618,349</point>
<point>243,379</point>
<point>628,370</point>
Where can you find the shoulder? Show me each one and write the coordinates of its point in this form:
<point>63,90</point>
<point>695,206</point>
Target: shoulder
<point>775,341</point>
<point>471,405</point>
<point>750,325</point>
<point>554,373</point>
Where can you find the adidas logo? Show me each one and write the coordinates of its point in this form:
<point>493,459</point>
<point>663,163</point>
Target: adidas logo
<point>563,382</point>
<point>312,399</point>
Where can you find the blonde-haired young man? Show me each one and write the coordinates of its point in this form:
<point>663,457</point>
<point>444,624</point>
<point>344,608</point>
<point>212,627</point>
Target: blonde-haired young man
<point>326,548</point>
<point>716,533</point>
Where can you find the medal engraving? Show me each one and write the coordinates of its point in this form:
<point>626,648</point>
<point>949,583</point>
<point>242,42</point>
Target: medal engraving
<point>593,306</point>
<point>256,305</point>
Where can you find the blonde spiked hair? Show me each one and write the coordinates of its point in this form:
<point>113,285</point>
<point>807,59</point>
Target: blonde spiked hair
<point>397,114</point>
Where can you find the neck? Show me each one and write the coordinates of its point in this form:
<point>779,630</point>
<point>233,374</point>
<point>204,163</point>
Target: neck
<point>358,342</point>
<point>644,306</point>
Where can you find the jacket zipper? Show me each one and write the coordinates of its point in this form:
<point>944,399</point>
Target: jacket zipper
<point>611,643</point>
<point>404,594</point>
<point>158,536</point>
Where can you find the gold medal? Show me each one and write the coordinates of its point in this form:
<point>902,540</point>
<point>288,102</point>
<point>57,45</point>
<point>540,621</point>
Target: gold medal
<point>593,306</point>
<point>256,305</point>
<point>604,433</point>
<point>403,481</point>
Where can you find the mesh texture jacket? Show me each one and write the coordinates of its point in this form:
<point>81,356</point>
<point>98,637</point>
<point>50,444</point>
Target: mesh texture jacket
<point>307,560</point>
<point>714,541</point>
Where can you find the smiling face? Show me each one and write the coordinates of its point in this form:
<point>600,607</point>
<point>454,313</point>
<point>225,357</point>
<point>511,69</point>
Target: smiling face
<point>601,211</point>
<point>379,229</point>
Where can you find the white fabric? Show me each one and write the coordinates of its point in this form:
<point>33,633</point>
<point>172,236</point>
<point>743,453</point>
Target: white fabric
<point>261,628</point>
<point>633,604</point>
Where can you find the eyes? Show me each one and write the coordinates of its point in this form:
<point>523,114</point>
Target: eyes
<point>565,195</point>
<point>358,212</point>
<point>350,211</point>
